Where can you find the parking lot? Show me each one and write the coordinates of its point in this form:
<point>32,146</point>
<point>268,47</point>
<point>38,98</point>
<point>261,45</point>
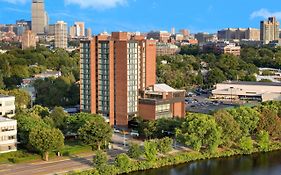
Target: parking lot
<point>202,104</point>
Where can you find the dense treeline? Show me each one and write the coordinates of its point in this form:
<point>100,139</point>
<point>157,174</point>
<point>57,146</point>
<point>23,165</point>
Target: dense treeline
<point>235,131</point>
<point>192,68</point>
<point>224,128</point>
<point>43,131</point>
<point>17,64</point>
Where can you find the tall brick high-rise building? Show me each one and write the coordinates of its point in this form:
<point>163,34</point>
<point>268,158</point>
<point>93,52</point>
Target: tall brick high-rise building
<point>114,69</point>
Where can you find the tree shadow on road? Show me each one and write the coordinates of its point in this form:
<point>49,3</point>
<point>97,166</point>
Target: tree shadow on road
<point>81,160</point>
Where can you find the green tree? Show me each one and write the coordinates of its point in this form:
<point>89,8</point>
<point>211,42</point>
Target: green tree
<point>247,118</point>
<point>150,150</point>
<point>95,132</point>
<point>123,163</point>
<point>199,130</point>
<point>74,122</point>
<point>231,131</point>
<point>40,110</point>
<point>25,123</point>
<point>246,144</point>
<point>263,140</point>
<point>46,140</point>
<point>100,158</point>
<point>59,116</point>
<point>135,151</point>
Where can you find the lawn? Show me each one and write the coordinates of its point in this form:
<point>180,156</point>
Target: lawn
<point>71,148</point>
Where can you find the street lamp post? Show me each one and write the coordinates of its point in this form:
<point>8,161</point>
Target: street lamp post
<point>231,94</point>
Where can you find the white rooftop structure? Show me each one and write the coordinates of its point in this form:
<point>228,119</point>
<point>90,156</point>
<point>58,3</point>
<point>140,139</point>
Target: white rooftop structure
<point>163,88</point>
<point>7,106</point>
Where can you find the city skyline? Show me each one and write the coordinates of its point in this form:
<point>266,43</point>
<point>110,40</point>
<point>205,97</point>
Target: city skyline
<point>136,15</point>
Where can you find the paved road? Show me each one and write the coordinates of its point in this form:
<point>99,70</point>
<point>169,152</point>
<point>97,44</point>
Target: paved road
<point>52,167</point>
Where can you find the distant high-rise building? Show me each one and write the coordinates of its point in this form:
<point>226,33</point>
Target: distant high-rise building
<point>184,32</point>
<point>269,30</point>
<point>61,35</point>
<point>80,29</point>
<point>89,33</point>
<point>51,29</point>
<point>161,36</point>
<point>22,25</point>
<point>72,31</point>
<point>173,31</point>
<point>28,39</point>
<point>39,17</point>
<point>114,70</point>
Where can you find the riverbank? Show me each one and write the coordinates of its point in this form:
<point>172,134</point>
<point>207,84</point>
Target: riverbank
<point>172,160</point>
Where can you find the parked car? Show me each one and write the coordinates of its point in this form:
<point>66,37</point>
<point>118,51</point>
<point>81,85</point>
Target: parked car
<point>134,133</point>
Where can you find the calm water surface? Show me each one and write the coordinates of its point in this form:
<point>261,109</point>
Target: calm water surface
<point>257,164</point>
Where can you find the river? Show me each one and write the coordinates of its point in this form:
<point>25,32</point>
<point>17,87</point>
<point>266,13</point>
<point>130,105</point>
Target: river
<point>256,164</point>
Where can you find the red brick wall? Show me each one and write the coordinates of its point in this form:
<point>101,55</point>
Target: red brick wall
<point>150,62</point>
<point>93,76</point>
<point>147,112</point>
<point>179,109</point>
<point>121,83</point>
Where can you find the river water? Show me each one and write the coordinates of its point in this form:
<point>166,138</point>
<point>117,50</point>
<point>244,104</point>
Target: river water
<point>257,164</point>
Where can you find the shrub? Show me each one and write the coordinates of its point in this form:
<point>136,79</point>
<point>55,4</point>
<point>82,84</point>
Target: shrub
<point>100,158</point>
<point>246,144</point>
<point>135,151</point>
<point>164,145</point>
<point>263,140</point>
<point>150,150</point>
<point>123,163</point>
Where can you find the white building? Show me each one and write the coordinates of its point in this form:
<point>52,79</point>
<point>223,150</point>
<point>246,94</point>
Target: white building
<point>8,135</point>
<point>256,91</point>
<point>61,35</point>
<point>7,106</point>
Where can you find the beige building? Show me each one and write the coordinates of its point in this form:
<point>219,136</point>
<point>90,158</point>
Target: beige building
<point>28,39</point>
<point>80,27</point>
<point>250,91</point>
<point>61,35</point>
<point>269,30</point>
<point>166,49</point>
<point>39,17</point>
<point>231,34</point>
<point>7,106</point>
<point>8,135</point>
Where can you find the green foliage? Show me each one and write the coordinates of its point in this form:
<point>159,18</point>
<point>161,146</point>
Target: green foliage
<point>134,151</point>
<point>62,91</point>
<point>46,140</point>
<point>74,122</point>
<point>150,150</point>
<point>40,111</point>
<point>95,132</point>
<point>246,144</point>
<point>269,120</point>
<point>231,131</point>
<point>107,170</point>
<point>58,115</point>
<point>199,130</point>
<point>263,140</point>
<point>100,158</point>
<point>164,145</point>
<point>123,163</point>
<point>25,123</point>
<point>247,118</point>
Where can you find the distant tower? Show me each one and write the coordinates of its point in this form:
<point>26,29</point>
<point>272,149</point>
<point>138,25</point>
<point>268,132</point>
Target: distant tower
<point>28,39</point>
<point>61,35</point>
<point>269,30</point>
<point>80,26</point>
<point>173,31</point>
<point>39,17</point>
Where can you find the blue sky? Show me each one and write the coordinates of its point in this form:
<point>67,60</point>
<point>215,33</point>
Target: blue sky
<point>146,15</point>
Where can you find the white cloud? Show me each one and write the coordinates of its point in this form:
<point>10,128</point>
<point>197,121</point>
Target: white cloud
<point>15,1</point>
<point>264,13</point>
<point>97,4</point>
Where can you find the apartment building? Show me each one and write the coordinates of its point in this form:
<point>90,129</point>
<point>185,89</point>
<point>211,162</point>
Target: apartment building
<point>7,106</point>
<point>269,30</point>
<point>8,135</point>
<point>113,70</point>
<point>61,35</point>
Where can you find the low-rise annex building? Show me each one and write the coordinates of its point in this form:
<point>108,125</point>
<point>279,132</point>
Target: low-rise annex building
<point>8,135</point>
<point>7,106</point>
